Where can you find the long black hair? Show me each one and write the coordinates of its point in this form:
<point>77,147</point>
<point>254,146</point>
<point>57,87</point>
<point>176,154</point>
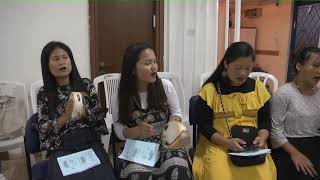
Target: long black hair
<point>127,92</point>
<point>235,50</point>
<point>304,55</point>
<point>49,81</point>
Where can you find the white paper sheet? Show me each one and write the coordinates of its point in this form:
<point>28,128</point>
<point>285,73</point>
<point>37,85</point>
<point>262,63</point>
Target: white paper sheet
<point>78,162</point>
<point>251,153</point>
<point>141,152</point>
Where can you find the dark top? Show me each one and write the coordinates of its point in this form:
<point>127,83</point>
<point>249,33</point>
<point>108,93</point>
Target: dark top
<point>49,133</point>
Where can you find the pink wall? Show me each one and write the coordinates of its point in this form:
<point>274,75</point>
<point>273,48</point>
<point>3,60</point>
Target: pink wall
<point>222,17</point>
<point>273,34</point>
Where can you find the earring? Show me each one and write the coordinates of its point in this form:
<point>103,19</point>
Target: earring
<point>224,73</point>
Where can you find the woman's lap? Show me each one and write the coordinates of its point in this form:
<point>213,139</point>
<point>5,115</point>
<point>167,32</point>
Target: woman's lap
<point>171,164</point>
<point>81,140</point>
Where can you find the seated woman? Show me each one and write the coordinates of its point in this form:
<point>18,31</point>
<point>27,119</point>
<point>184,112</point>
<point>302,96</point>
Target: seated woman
<point>245,102</point>
<point>295,112</point>
<point>60,134</point>
<point>141,110</point>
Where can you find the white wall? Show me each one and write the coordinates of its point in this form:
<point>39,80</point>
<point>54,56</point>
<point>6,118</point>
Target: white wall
<point>27,26</point>
<point>190,38</point>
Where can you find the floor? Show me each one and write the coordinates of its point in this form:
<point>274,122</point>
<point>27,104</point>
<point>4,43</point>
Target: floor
<point>15,168</point>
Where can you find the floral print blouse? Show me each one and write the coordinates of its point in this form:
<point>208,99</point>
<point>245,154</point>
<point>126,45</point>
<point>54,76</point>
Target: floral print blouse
<point>49,133</point>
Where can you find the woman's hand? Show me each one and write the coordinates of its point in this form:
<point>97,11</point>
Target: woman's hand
<point>259,142</point>
<point>66,116</point>
<point>302,163</point>
<point>261,139</point>
<point>68,109</point>
<point>235,144</point>
<point>175,118</point>
<point>145,129</point>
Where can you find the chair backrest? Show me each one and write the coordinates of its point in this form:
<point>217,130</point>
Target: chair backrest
<point>204,77</point>
<point>34,89</point>
<point>18,93</point>
<point>32,142</point>
<point>37,170</point>
<point>111,84</point>
<point>193,102</point>
<point>177,84</point>
<point>264,77</point>
<point>193,117</point>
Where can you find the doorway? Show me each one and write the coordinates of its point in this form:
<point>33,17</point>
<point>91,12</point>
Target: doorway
<point>115,25</point>
<point>305,30</point>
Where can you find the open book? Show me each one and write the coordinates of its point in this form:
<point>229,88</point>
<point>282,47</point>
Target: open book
<point>251,153</point>
<point>78,162</point>
<point>141,152</point>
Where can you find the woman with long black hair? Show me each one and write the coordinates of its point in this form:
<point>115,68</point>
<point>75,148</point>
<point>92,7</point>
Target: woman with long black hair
<point>61,133</point>
<point>245,103</point>
<point>141,110</point>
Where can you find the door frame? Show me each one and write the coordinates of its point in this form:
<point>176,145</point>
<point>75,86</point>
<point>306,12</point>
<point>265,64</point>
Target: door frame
<point>296,5</point>
<point>158,36</point>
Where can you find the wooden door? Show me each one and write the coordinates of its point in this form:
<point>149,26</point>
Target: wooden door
<point>115,25</point>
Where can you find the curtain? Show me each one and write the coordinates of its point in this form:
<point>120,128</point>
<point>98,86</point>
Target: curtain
<point>190,40</point>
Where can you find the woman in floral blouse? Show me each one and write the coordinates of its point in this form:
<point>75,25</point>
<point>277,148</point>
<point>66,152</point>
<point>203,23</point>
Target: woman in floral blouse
<point>59,133</point>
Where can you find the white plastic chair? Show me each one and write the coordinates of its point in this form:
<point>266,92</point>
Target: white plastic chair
<point>111,84</point>
<point>17,90</point>
<point>204,77</point>
<point>34,89</point>
<point>264,77</point>
<point>177,84</point>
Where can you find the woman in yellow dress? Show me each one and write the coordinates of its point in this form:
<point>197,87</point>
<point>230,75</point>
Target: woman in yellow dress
<point>246,103</point>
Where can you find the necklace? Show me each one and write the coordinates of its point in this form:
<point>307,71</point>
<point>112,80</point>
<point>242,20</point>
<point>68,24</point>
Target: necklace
<point>59,91</point>
<point>313,89</point>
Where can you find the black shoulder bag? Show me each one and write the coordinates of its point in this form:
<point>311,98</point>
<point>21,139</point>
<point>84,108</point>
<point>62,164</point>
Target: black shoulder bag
<point>247,134</point>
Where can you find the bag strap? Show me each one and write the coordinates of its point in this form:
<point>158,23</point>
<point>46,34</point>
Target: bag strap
<point>224,113</point>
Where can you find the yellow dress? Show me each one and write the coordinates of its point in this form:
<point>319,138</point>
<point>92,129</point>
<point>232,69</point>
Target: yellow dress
<point>211,162</point>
